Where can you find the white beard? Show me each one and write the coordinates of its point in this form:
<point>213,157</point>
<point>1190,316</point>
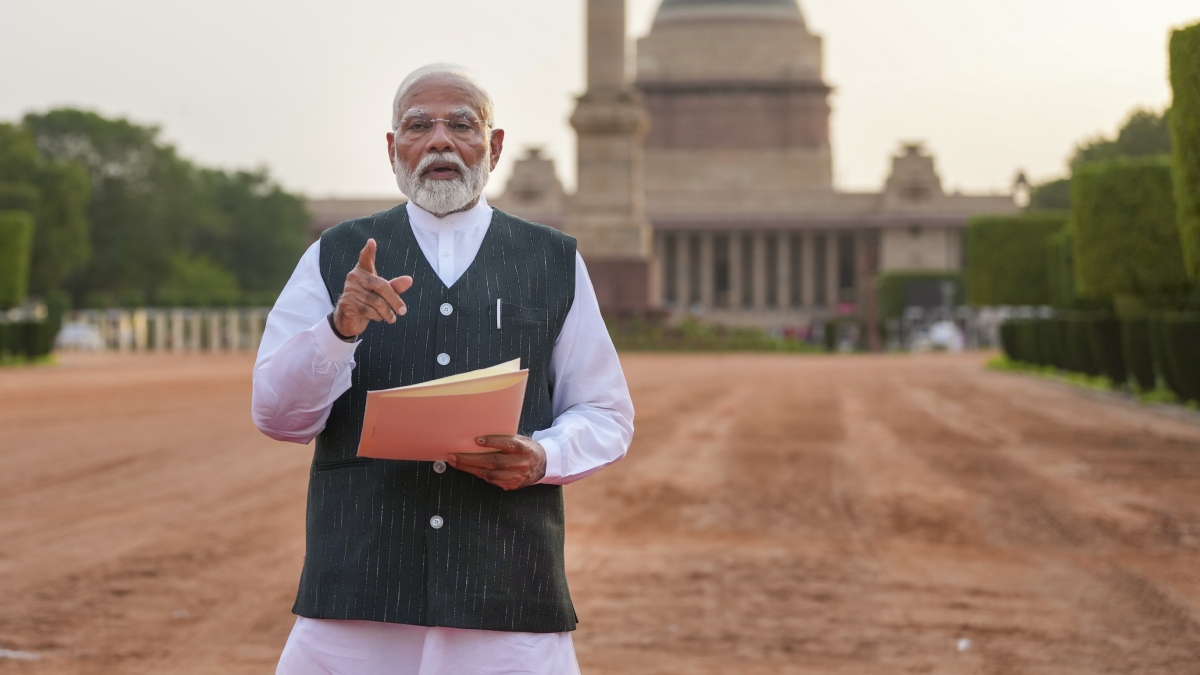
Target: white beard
<point>440,197</point>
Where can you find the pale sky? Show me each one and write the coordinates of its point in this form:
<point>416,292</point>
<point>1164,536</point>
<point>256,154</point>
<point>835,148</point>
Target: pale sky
<point>304,87</point>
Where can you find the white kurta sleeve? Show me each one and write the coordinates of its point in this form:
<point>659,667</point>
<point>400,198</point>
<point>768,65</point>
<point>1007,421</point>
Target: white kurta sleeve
<point>593,414</point>
<point>302,367</point>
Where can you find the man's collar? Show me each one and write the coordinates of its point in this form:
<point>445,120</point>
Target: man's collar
<point>476,216</point>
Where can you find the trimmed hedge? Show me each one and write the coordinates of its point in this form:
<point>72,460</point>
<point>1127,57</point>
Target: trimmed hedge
<point>1089,344</point>
<point>1185,139</point>
<point>16,246</point>
<point>1138,353</point>
<point>1176,346</point>
<point>1007,259</point>
<point>899,290</point>
<point>1107,348</point>
<point>1123,226</point>
<point>1060,270</point>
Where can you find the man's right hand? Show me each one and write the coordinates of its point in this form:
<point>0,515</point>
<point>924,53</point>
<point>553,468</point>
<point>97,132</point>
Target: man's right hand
<point>369,297</point>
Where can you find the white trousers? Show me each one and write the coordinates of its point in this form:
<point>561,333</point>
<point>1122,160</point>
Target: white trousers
<point>329,647</point>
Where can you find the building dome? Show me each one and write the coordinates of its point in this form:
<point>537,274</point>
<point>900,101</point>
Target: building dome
<point>673,10</point>
<point>729,40</point>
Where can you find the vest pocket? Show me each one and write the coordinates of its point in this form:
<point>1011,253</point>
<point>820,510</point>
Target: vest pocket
<point>342,463</point>
<point>516,316</point>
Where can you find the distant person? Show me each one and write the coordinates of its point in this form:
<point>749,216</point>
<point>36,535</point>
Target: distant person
<point>424,567</point>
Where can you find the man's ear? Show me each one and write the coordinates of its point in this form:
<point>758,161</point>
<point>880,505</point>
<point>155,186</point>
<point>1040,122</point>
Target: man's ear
<point>497,145</point>
<point>391,143</point>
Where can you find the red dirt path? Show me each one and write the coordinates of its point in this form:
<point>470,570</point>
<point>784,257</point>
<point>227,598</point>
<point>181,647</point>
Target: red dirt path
<point>777,514</point>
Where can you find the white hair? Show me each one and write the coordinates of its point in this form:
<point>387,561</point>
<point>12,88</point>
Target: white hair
<point>444,70</point>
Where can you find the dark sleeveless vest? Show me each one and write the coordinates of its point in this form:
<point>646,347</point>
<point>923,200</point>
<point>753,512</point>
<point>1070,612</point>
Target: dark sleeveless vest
<point>372,553</point>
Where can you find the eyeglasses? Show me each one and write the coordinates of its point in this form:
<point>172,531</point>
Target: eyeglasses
<point>462,126</point>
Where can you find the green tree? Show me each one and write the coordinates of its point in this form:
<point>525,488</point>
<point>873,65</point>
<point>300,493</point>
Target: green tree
<point>150,208</point>
<point>198,282</point>
<point>265,229</point>
<point>56,195</point>
<point>1144,133</point>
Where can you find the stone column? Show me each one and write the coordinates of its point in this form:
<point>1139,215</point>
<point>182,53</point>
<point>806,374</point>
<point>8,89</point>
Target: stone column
<point>831,270</point>
<point>706,270</point>
<point>783,253</point>
<point>607,212</point>
<point>760,270</point>
<point>177,344</point>
<point>683,261</point>
<point>195,341</point>
<point>214,329</point>
<point>808,268</point>
<point>735,271</point>
<point>160,330</point>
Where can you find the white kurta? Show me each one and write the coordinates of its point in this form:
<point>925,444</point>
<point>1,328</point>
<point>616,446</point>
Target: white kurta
<point>302,368</point>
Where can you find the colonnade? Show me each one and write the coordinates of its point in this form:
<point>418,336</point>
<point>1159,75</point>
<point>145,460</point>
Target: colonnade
<point>174,330</point>
<point>763,271</point>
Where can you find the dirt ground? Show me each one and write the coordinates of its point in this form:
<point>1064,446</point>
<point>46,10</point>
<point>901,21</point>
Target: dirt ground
<point>777,514</point>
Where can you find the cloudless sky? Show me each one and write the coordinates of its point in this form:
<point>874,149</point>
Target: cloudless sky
<point>304,87</point>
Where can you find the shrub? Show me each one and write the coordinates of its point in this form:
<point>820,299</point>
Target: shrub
<point>1060,272</point>
<point>900,290</point>
<point>1185,133</point>
<point>16,246</point>
<point>1007,259</point>
<point>1138,353</point>
<point>1124,229</point>
<point>1107,350</point>
<point>1179,343</point>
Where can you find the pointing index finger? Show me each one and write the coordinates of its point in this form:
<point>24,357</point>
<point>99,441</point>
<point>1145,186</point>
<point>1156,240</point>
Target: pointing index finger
<point>366,257</point>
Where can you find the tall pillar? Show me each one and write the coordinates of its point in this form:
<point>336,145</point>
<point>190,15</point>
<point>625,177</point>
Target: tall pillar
<point>759,270</point>
<point>735,271</point>
<point>783,270</point>
<point>831,271</point>
<point>706,270</point>
<point>808,267</point>
<point>683,261</point>
<point>607,214</point>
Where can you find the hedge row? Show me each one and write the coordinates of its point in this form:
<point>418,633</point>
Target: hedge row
<point>27,339</point>
<point>16,245</point>
<point>899,290</point>
<point>1185,135</point>
<point>1007,258</point>
<point>1144,352</point>
<point>1124,230</point>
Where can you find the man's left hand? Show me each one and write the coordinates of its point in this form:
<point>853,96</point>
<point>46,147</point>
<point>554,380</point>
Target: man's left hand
<point>521,461</point>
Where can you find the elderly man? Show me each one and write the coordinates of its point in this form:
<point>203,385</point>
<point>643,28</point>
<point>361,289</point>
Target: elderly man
<point>424,567</point>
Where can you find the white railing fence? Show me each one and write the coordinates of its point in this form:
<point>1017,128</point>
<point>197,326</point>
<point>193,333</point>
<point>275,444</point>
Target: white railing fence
<point>174,329</point>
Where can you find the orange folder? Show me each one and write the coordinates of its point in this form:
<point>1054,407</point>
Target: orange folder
<point>430,420</point>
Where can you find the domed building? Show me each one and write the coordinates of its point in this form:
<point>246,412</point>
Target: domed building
<point>714,167</point>
<point>737,172</point>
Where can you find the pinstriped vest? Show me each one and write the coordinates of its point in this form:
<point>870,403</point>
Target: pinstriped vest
<point>372,553</point>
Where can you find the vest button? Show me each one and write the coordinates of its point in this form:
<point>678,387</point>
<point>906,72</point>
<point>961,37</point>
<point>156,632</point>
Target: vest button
<point>436,522</point>
<point>439,467</point>
<point>447,309</point>
<point>443,359</point>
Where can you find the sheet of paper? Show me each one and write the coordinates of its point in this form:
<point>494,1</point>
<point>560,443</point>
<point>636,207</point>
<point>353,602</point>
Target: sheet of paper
<point>431,420</point>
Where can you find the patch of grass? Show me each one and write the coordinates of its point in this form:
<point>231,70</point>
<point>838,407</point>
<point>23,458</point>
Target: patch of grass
<point>10,361</point>
<point>691,335</point>
<point>1161,395</point>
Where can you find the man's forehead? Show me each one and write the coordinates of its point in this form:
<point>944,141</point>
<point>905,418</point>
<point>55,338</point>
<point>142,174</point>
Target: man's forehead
<point>438,93</point>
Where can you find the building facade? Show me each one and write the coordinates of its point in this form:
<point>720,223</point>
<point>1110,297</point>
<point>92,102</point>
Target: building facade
<point>736,175</point>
